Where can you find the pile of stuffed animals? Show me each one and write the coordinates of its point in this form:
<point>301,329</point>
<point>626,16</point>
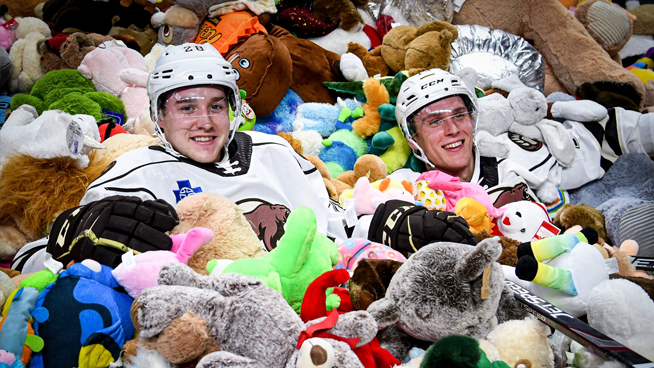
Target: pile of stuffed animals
<point>73,98</point>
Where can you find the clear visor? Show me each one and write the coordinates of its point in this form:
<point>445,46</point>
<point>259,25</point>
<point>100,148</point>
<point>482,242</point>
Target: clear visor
<point>194,103</point>
<point>430,117</point>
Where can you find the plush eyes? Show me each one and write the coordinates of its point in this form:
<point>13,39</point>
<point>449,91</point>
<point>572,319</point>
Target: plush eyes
<point>518,214</point>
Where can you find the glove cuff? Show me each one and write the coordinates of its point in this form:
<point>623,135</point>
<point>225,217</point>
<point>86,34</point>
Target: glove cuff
<point>387,220</point>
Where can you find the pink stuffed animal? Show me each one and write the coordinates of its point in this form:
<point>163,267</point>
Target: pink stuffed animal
<point>139,272</point>
<point>454,189</point>
<point>7,35</point>
<point>367,198</point>
<point>120,71</point>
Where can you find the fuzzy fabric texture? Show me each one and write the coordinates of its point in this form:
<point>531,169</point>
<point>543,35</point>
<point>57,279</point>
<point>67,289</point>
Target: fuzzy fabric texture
<point>629,182</point>
<point>147,359</point>
<point>523,339</point>
<point>233,235</point>
<point>582,215</point>
<point>30,197</point>
<point>437,292</point>
<point>245,317</point>
<point>622,310</point>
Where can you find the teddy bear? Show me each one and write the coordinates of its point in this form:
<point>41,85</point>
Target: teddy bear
<point>267,75</point>
<point>221,318</point>
<point>372,60</point>
<point>582,215</point>
<point>21,8</point>
<point>441,290</point>
<point>25,55</point>
<point>566,70</point>
<point>591,12</point>
<point>233,236</point>
<point>417,49</point>
<point>68,54</point>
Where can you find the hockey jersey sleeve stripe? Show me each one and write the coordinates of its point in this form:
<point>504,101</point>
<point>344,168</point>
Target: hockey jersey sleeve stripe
<point>542,162</point>
<point>127,173</point>
<point>611,133</point>
<point>132,190</point>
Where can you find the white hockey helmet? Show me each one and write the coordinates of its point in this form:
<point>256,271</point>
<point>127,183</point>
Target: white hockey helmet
<point>424,88</point>
<point>188,65</point>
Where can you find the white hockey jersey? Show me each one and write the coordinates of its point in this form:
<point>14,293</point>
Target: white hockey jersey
<point>262,174</point>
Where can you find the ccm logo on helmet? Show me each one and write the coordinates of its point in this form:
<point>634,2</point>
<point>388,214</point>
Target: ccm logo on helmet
<point>431,83</point>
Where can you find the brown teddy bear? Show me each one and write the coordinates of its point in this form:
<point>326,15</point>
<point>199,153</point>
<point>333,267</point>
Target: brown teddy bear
<point>372,60</point>
<point>366,165</point>
<point>582,215</point>
<point>68,55</point>
<point>417,49</point>
<point>233,237</point>
<point>30,199</point>
<point>613,37</point>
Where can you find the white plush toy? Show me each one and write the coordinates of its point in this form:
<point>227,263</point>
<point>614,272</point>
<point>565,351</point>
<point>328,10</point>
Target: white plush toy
<point>522,220</point>
<point>53,134</point>
<point>623,311</point>
<point>573,269</point>
<point>24,54</point>
<point>515,127</point>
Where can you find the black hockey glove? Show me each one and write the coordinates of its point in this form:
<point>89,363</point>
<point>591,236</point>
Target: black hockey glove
<point>406,227</point>
<point>105,229</point>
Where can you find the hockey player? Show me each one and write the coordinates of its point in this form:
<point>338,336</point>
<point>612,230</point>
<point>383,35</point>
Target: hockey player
<point>437,114</point>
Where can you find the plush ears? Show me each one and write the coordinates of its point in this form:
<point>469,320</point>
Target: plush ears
<point>418,49</point>
<point>521,220</point>
<point>140,271</point>
<point>582,215</point>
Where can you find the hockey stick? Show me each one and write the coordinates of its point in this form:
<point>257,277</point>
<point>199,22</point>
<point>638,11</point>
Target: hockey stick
<point>575,329</point>
<point>643,263</point>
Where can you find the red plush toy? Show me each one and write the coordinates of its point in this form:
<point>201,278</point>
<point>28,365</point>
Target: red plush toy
<point>371,354</point>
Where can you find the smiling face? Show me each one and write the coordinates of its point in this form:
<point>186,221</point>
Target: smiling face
<point>196,122</point>
<point>444,132</point>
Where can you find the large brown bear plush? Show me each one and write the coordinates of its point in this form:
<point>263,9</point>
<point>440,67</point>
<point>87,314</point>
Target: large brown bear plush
<point>572,57</point>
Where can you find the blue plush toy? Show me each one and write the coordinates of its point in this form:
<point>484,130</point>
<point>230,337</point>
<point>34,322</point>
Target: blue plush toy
<point>281,119</point>
<point>338,157</point>
<point>89,319</point>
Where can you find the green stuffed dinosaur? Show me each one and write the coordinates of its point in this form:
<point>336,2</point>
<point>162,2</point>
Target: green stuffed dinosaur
<point>69,91</point>
<point>302,254</point>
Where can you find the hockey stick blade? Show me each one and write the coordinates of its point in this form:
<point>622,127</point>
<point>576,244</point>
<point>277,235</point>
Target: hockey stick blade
<point>577,330</point>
